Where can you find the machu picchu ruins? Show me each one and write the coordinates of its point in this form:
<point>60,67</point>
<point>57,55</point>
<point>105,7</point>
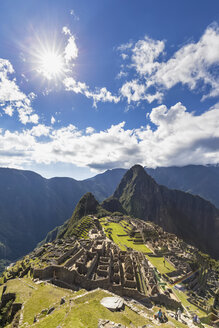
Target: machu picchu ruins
<point>130,258</point>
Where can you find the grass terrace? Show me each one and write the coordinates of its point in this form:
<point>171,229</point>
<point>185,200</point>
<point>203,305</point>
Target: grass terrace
<point>82,229</point>
<point>116,232</point>
<point>158,262</point>
<point>39,297</point>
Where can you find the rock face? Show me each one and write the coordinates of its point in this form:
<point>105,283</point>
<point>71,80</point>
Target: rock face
<point>112,205</point>
<point>86,205</point>
<point>190,217</point>
<point>196,179</point>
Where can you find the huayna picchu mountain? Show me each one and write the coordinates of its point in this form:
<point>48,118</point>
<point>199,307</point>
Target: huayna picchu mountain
<point>190,217</point>
<point>202,180</point>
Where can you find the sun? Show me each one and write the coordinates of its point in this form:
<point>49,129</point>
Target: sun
<point>51,64</point>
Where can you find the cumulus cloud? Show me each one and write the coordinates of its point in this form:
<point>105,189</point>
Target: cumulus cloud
<point>71,49</point>
<point>144,54</point>
<point>193,64</point>
<point>179,138</point>
<point>90,130</point>
<point>12,98</point>
<point>136,91</point>
<point>40,130</point>
<point>100,94</point>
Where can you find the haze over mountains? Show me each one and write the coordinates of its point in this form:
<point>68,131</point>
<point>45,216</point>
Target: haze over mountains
<point>31,206</point>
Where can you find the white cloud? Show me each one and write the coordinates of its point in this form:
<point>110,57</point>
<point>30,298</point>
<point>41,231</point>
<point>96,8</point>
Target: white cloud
<point>40,130</point>
<point>124,56</point>
<point>53,120</point>
<point>125,46</point>
<point>66,30</point>
<point>8,110</point>
<point>71,49</point>
<point>121,75</point>
<point>179,138</point>
<point>90,130</point>
<point>134,91</point>
<point>100,94</point>
<point>11,97</point>
<point>144,54</point>
<point>193,65</point>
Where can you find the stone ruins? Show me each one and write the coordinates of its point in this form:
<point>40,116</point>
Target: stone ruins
<point>98,262</point>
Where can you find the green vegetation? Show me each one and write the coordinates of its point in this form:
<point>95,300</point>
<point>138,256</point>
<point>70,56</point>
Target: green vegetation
<point>120,236</point>
<point>39,298</point>
<point>158,262</point>
<point>189,306</point>
<point>118,233</point>
<point>87,205</point>
<point>82,228</point>
<point>73,315</point>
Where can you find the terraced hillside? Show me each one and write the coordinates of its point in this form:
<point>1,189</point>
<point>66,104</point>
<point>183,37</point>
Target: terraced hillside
<point>50,306</point>
<point>58,282</point>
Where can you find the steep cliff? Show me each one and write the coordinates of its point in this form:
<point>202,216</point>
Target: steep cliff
<point>189,217</point>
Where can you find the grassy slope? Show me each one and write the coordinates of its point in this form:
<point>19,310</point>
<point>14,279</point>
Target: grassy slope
<point>81,309</point>
<point>37,297</point>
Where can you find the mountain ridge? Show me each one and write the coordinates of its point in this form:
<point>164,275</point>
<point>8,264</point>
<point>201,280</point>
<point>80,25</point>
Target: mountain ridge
<point>31,206</point>
<point>189,217</point>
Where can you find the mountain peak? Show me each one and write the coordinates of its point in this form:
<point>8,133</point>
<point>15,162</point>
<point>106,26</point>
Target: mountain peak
<point>176,211</point>
<point>86,205</point>
<point>134,181</point>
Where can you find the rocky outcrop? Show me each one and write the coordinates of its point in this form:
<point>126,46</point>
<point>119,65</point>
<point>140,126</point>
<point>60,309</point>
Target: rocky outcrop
<point>87,205</point>
<point>112,205</point>
<point>189,217</point>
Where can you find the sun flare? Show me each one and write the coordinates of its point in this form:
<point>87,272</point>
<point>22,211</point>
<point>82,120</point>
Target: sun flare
<point>51,65</point>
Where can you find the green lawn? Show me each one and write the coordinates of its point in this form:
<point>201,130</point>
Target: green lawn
<point>36,297</point>
<point>85,311</point>
<point>82,312</point>
<point>159,264</point>
<point>121,241</point>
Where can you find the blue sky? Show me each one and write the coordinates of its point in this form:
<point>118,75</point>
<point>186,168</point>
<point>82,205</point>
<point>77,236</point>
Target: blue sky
<point>87,86</point>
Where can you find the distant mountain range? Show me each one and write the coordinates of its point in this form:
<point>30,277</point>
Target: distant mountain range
<point>31,205</point>
<point>190,217</point>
